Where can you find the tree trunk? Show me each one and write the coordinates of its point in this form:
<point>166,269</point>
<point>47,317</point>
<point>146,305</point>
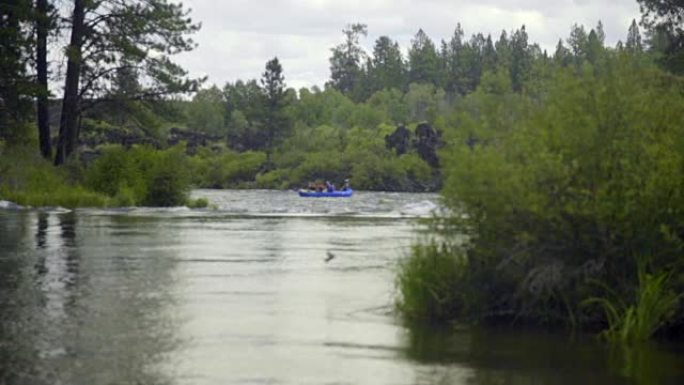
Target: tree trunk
<point>43,118</point>
<point>68,125</point>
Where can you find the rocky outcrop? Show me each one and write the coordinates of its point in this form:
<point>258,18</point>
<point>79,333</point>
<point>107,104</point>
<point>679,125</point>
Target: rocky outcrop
<point>426,141</point>
<point>399,140</point>
<point>122,137</point>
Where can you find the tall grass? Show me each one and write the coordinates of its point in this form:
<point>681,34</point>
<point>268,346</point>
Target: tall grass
<point>430,284</point>
<point>29,180</point>
<point>654,305</point>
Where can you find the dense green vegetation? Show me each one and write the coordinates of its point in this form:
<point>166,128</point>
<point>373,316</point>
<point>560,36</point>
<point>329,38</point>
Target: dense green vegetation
<point>119,177</point>
<point>28,179</point>
<point>567,201</point>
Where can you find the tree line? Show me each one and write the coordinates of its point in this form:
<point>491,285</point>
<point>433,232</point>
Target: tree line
<point>424,85</point>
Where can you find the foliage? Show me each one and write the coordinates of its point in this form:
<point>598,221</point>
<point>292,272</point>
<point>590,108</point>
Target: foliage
<point>276,123</point>
<point>111,40</point>
<point>206,111</point>
<point>565,186</point>
<point>347,60</point>
<point>423,60</point>
<point>225,169</point>
<point>29,180</point>
<point>141,175</point>
<point>655,304</point>
<point>167,177</point>
<point>424,102</point>
<point>665,22</point>
<point>431,284</point>
<point>16,86</point>
<point>387,69</point>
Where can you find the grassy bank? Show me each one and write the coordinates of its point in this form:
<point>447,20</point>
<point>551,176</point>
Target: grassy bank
<point>29,180</point>
<point>141,176</point>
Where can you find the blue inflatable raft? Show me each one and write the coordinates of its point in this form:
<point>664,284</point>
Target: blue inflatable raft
<point>326,194</point>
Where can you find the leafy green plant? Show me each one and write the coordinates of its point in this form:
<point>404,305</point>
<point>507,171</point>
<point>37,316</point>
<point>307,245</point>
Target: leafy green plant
<point>654,305</point>
<point>167,177</point>
<point>141,175</point>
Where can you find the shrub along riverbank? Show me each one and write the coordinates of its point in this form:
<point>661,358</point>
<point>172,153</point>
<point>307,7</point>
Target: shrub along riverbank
<point>570,198</point>
<point>141,176</point>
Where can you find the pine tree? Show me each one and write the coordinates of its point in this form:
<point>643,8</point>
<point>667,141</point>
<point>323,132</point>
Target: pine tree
<point>423,60</point>
<point>489,55</point>
<point>594,47</point>
<point>600,33</point>
<point>346,62</point>
<point>454,65</point>
<point>521,61</point>
<point>503,51</point>
<point>633,43</point>
<point>108,34</point>
<point>577,42</point>
<point>387,68</point>
<point>276,123</point>
<point>562,56</point>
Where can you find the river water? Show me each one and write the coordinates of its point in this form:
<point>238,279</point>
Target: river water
<point>241,294</point>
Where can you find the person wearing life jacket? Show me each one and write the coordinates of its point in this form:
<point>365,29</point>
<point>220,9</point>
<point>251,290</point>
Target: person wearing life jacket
<point>329,186</point>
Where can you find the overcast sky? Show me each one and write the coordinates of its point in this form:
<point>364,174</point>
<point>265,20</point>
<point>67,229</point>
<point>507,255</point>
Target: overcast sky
<point>239,36</point>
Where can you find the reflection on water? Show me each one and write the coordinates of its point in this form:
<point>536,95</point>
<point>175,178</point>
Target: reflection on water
<point>72,315</point>
<point>199,297</point>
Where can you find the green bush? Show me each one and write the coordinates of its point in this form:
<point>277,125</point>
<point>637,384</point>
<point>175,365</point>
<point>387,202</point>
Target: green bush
<point>225,169</point>
<point>115,170</point>
<point>373,172</point>
<point>141,175</point>
<point>431,286</point>
<point>167,176</point>
<point>319,166</point>
<point>566,185</point>
<point>276,179</point>
<point>29,180</point>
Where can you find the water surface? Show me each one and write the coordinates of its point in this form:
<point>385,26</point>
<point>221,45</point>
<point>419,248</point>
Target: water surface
<point>241,294</point>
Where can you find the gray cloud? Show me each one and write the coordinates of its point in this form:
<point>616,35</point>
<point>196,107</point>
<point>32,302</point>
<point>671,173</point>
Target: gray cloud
<point>239,36</point>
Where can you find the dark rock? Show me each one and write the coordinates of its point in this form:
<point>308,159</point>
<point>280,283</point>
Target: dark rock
<point>427,141</point>
<point>399,140</point>
<point>123,137</point>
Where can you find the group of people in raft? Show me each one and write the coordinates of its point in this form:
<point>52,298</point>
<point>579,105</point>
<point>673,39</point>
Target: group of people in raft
<point>327,186</point>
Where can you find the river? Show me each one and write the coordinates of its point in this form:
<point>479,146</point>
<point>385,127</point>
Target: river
<point>240,293</point>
